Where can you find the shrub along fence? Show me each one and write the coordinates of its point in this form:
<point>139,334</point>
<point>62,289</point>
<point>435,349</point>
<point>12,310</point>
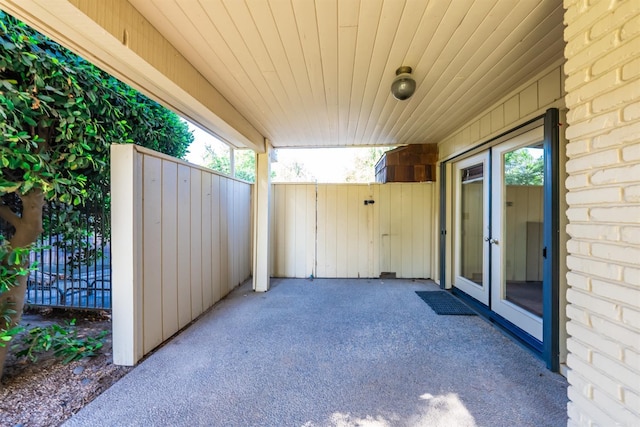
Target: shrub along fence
<point>73,266</point>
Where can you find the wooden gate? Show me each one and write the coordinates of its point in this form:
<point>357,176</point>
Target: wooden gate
<point>352,230</point>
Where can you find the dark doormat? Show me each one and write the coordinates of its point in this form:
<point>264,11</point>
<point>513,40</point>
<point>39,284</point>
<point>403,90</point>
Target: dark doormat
<point>444,303</point>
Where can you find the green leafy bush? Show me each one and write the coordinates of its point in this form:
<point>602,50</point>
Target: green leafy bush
<point>59,114</point>
<point>63,340</point>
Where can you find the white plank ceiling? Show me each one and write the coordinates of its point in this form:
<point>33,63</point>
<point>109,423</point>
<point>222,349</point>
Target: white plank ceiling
<point>317,73</point>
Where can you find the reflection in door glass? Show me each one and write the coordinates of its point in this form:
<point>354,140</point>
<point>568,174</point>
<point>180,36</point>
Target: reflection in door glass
<point>523,213</point>
<point>471,220</point>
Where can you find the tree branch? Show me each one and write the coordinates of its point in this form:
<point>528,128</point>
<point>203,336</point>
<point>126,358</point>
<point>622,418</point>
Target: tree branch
<point>30,225</point>
<point>10,175</point>
<point>8,215</point>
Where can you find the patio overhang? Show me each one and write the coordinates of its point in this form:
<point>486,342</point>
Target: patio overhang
<point>312,74</point>
<point>125,44</point>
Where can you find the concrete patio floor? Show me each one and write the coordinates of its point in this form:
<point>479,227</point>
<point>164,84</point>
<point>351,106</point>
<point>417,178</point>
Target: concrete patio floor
<point>334,353</point>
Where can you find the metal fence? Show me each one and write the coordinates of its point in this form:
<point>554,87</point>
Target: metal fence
<point>73,265</point>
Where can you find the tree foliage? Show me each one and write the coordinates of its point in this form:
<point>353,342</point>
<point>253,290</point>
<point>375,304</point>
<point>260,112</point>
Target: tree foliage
<point>292,171</point>
<point>52,136</point>
<point>150,124</point>
<point>363,167</point>
<point>522,168</point>
<point>219,159</point>
<point>245,165</point>
<point>58,116</point>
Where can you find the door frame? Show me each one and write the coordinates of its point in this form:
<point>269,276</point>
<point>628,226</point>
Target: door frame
<point>551,242</point>
<point>548,349</point>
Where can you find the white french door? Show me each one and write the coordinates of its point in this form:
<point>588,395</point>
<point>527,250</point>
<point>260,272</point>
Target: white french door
<point>472,227</point>
<point>517,208</point>
<point>498,217</point>
<point>500,232</point>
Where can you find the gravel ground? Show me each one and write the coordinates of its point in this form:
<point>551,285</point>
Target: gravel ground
<point>46,393</point>
<point>340,353</point>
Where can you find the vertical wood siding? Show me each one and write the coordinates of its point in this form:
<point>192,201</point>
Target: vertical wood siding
<point>195,239</point>
<point>525,103</point>
<point>524,249</point>
<point>328,231</point>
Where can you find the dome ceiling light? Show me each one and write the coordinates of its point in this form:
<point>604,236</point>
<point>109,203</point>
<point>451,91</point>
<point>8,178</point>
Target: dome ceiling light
<point>403,85</point>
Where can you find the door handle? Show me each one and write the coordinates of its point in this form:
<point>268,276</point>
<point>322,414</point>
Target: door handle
<point>487,239</point>
<point>493,241</point>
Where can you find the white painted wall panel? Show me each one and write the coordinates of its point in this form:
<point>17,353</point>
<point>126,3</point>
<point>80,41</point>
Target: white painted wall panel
<point>384,214</point>
<point>241,193</point>
<point>207,242</point>
<point>243,227</point>
<point>341,231</point>
<point>194,226</point>
<point>224,238</point>
<point>410,231</point>
<point>312,243</point>
<point>152,252</point>
<point>395,229</point>
<point>126,220</point>
<point>290,231</point>
<point>278,230</point>
<point>293,236</point>
<point>184,243</point>
<point>321,240</point>
<point>354,217</point>
<point>302,228</point>
<point>215,237</point>
<point>196,243</point>
<point>169,248</point>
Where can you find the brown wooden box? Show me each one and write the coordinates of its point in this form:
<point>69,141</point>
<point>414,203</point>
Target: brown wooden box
<point>412,163</point>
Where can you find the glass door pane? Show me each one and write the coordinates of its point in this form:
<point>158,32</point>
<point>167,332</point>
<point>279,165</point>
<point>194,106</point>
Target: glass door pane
<point>517,245</point>
<point>471,226</point>
<point>471,218</point>
<point>524,180</point>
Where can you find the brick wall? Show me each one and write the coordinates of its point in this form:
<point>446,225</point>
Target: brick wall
<point>603,97</point>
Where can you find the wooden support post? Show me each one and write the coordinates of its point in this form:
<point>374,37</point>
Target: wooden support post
<point>261,211</point>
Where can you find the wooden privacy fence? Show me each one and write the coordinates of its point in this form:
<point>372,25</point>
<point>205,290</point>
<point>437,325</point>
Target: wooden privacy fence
<point>180,242</point>
<point>352,230</point>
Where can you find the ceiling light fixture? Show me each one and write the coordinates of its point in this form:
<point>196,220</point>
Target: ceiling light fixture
<point>403,85</point>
